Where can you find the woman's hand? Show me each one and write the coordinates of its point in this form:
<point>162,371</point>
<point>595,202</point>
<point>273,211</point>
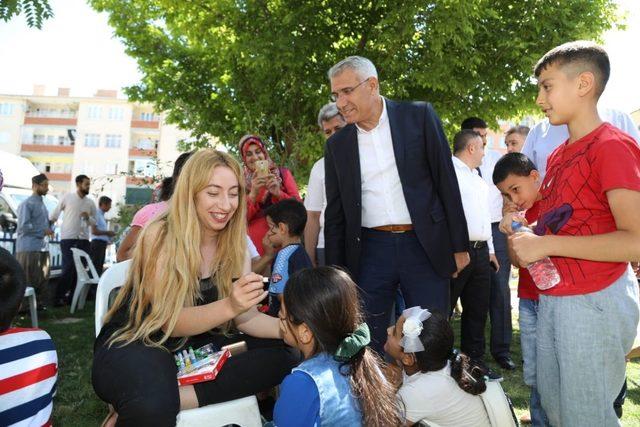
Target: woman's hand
<point>246,292</point>
<point>273,185</point>
<point>508,219</point>
<point>257,182</point>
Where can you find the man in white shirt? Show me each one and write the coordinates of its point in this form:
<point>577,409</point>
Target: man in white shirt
<point>544,137</point>
<point>394,217</point>
<point>330,121</point>
<point>473,284</point>
<point>500,296</point>
<point>79,216</point>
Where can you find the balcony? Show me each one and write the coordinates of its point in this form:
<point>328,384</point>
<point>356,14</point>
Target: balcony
<point>141,152</point>
<point>58,176</point>
<point>145,124</point>
<point>139,180</point>
<point>40,148</point>
<point>51,117</point>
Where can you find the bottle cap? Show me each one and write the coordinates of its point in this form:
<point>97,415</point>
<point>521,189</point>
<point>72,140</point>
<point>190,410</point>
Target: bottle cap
<point>515,225</point>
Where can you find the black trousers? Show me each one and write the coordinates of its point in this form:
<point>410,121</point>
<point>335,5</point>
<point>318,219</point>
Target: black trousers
<point>140,381</point>
<point>98,250</point>
<point>473,287</point>
<point>500,300</point>
<point>67,281</point>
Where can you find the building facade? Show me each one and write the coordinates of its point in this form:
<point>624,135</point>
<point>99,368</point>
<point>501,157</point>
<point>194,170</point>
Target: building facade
<point>120,145</point>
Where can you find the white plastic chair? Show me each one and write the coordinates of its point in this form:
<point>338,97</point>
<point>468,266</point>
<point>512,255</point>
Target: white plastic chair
<point>498,406</point>
<point>113,277</point>
<point>243,412</point>
<point>87,276</point>
<point>30,293</point>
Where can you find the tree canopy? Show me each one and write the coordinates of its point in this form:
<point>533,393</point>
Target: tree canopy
<point>35,11</point>
<point>224,68</point>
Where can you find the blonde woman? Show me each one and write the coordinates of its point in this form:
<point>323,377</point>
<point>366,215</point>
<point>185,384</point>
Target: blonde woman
<point>179,292</point>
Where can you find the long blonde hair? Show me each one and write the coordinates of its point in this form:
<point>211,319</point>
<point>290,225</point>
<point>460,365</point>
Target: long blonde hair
<point>151,306</point>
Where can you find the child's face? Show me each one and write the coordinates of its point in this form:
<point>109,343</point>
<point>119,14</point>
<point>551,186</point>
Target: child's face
<point>297,336</point>
<point>394,335</point>
<point>521,190</point>
<point>285,326</point>
<point>276,233</point>
<point>558,93</point>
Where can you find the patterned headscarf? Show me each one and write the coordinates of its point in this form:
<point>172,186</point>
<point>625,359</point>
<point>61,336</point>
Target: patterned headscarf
<point>247,141</point>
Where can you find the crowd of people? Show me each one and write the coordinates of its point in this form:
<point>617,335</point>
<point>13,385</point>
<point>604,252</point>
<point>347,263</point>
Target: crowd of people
<point>393,218</point>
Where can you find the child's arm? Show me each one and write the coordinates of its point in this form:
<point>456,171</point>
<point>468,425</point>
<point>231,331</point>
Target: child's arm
<point>622,245</point>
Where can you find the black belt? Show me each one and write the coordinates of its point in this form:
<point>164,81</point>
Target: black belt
<point>478,244</point>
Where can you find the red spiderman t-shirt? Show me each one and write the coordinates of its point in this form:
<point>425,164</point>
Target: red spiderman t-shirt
<point>526,287</point>
<point>574,201</point>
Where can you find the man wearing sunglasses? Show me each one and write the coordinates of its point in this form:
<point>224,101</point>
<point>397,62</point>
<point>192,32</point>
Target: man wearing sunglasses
<point>394,215</point>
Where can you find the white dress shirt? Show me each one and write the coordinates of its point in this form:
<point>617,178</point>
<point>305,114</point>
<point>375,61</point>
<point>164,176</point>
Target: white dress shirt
<point>383,201</point>
<point>544,137</point>
<point>475,202</point>
<point>489,161</point>
<point>316,200</point>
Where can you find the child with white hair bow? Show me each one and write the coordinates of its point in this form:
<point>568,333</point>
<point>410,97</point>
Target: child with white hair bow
<point>439,385</point>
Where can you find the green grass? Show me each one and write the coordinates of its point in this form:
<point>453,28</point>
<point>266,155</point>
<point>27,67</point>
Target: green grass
<point>77,405</point>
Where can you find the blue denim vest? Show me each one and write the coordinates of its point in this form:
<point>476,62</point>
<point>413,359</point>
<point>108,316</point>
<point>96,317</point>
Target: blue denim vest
<point>338,406</point>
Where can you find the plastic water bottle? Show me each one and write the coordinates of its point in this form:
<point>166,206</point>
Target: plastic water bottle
<point>544,273</point>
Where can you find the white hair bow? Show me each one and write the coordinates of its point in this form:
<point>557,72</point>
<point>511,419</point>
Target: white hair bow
<point>412,328</point>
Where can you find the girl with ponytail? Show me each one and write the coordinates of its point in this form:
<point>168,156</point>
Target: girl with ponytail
<point>340,382</point>
<point>439,384</point>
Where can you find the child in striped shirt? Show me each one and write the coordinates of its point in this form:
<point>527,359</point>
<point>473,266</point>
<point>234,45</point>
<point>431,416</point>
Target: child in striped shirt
<point>28,359</point>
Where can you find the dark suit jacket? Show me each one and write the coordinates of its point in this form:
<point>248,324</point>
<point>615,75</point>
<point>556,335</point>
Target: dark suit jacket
<point>429,184</point>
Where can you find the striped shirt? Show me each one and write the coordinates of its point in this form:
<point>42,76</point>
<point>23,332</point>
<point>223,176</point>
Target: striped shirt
<point>28,374</point>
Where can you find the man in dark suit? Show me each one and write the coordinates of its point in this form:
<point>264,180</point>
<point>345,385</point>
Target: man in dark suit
<point>394,215</point>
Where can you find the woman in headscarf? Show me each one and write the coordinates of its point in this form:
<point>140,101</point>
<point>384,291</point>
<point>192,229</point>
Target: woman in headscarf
<point>265,186</point>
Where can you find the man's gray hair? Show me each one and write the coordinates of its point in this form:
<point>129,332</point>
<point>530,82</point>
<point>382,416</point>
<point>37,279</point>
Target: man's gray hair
<point>363,67</point>
<point>327,112</point>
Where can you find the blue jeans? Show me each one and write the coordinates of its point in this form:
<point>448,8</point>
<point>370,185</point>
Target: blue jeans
<point>528,320</point>
<point>581,349</point>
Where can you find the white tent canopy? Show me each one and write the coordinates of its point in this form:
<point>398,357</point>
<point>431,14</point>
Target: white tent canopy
<point>16,171</point>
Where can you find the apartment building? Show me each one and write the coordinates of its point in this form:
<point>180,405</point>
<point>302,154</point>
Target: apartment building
<point>119,144</point>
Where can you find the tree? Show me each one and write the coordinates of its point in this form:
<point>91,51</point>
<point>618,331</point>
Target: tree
<point>227,67</point>
<point>36,11</point>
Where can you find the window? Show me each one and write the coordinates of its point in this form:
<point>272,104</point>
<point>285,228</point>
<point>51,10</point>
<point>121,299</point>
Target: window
<point>38,139</point>
<point>50,139</point>
<point>113,141</point>
<point>5,137</point>
<point>111,168</point>
<point>6,109</point>
<point>92,140</point>
<point>142,167</point>
<point>95,112</point>
<point>146,144</point>
<point>147,117</point>
<point>116,113</point>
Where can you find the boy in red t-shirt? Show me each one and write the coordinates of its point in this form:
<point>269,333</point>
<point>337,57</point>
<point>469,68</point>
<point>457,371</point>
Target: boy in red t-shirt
<point>588,226</point>
<point>516,177</point>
